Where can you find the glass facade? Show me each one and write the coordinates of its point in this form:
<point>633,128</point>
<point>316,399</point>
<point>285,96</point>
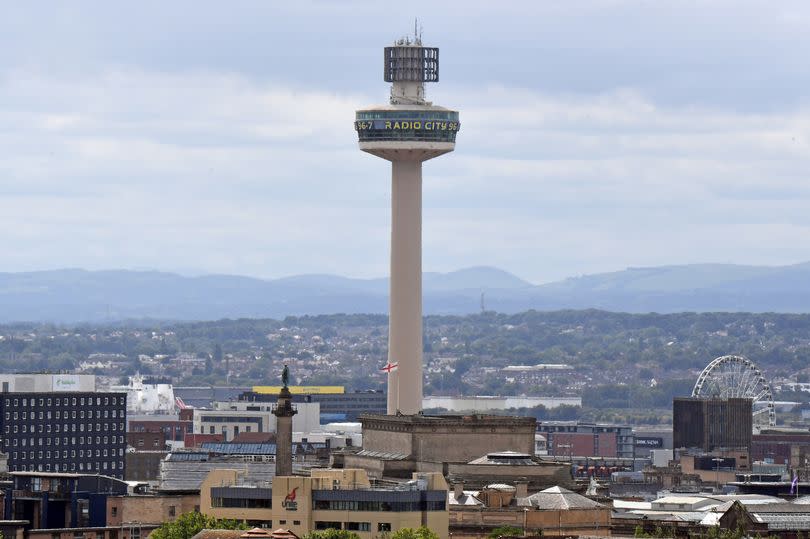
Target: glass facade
<point>407,125</point>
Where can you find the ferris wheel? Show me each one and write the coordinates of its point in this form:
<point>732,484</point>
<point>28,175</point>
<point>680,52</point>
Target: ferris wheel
<point>737,377</point>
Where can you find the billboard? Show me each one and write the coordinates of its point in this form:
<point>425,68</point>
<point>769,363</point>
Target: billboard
<point>649,442</point>
<point>66,382</point>
<point>301,390</point>
<point>407,125</point>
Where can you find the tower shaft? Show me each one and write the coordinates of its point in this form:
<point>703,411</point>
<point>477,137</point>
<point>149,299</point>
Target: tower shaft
<point>405,324</point>
<point>407,131</point>
<point>284,412</point>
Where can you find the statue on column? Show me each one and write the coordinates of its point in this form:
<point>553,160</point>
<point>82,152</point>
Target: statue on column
<point>285,376</point>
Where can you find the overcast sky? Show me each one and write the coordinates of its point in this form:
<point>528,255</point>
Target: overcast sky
<point>214,137</point>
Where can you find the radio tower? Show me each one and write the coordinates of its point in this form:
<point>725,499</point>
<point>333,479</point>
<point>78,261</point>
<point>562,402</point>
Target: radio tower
<point>407,131</point>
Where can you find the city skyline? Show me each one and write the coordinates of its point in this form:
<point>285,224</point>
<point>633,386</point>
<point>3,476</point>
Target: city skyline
<point>197,140</point>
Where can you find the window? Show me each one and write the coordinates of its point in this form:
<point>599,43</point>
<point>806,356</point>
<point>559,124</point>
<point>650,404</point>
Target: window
<point>113,511</point>
<point>326,525</point>
<point>358,526</point>
<point>172,510</point>
<point>383,526</point>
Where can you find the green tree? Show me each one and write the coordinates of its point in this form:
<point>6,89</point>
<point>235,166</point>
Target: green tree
<point>188,525</point>
<point>421,532</point>
<point>332,533</point>
<point>505,531</point>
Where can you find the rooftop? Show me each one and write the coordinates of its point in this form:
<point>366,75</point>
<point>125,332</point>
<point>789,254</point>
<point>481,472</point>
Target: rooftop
<point>557,498</point>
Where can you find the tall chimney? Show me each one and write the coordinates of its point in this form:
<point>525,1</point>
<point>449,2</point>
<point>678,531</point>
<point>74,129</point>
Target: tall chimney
<point>458,490</point>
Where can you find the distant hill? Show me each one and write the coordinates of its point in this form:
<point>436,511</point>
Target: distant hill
<point>75,295</point>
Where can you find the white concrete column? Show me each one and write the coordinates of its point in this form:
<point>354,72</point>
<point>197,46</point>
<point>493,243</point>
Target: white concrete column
<point>405,324</point>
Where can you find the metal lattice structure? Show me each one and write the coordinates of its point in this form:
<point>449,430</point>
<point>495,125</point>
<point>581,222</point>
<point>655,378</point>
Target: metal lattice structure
<point>737,377</point>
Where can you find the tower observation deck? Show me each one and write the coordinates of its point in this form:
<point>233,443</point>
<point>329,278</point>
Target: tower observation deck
<point>407,131</point>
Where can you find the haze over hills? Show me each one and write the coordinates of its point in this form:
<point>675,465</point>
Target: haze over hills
<point>75,295</point>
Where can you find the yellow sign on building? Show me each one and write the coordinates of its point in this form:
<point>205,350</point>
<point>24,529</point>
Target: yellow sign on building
<point>301,390</point>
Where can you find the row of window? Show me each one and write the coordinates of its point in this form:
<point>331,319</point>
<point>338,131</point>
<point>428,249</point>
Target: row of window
<point>351,505</point>
<point>408,135</point>
<point>242,503</point>
<point>97,414</point>
<point>230,419</point>
<point>353,526</point>
<point>24,442</point>
<point>67,401</point>
<point>29,455</point>
<point>407,114</point>
<point>100,427</point>
<point>71,467</point>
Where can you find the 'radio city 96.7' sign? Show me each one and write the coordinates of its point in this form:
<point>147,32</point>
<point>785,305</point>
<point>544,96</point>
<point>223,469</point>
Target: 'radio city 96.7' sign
<point>407,125</point>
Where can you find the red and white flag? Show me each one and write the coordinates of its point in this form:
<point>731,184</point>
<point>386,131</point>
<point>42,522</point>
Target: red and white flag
<point>390,367</point>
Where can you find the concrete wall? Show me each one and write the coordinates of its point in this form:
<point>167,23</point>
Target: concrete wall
<point>126,532</point>
<point>41,383</point>
<point>477,523</point>
<point>123,510</point>
<point>539,477</point>
<point>448,438</point>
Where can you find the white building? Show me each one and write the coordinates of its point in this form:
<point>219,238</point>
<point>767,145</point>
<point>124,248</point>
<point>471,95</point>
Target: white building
<point>45,383</point>
<point>234,418</point>
<point>147,398</point>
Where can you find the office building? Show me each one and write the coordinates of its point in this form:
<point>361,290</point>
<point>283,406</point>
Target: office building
<point>64,432</point>
<point>337,499</point>
<point>579,439</point>
<point>230,419</point>
<point>712,423</point>
<point>336,404</point>
<point>44,383</point>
